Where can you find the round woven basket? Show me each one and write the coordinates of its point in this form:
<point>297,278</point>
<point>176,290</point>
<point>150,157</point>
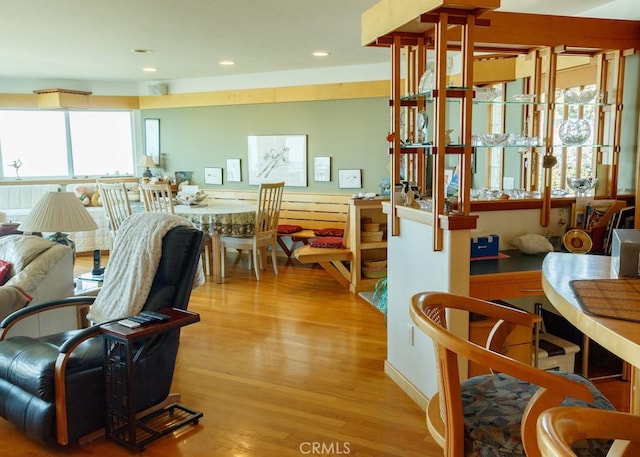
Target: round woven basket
<point>371,237</point>
<point>374,272</point>
<point>371,227</point>
<point>375,263</point>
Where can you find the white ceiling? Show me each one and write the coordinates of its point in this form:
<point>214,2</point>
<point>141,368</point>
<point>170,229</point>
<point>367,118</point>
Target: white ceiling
<point>91,40</point>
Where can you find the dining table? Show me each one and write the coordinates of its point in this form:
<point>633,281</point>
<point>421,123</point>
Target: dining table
<point>588,292</point>
<point>220,219</point>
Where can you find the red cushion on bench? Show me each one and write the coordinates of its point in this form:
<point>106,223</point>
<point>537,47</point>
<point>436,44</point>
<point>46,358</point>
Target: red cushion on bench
<point>329,232</point>
<point>327,242</point>
<point>285,229</point>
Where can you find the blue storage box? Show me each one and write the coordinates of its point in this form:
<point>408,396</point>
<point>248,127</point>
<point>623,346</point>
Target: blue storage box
<point>485,246</point>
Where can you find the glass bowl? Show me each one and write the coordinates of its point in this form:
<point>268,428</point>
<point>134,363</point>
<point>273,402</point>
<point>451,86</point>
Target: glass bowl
<point>525,98</point>
<point>493,139</point>
<point>575,95</point>
<point>582,186</point>
<point>427,82</point>
<point>574,132</point>
<point>485,94</point>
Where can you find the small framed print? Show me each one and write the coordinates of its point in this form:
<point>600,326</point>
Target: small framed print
<point>213,175</point>
<point>234,172</point>
<point>322,169</point>
<point>350,179</point>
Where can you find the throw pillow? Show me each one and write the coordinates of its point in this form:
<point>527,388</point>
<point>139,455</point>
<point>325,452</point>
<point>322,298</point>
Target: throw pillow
<point>329,232</point>
<point>20,250</point>
<point>532,244</point>
<point>286,229</point>
<point>327,242</point>
<point>95,199</point>
<point>5,268</point>
<point>9,228</point>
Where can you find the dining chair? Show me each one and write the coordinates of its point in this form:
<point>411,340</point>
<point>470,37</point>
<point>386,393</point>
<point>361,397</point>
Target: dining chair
<point>265,230</point>
<point>560,428</point>
<point>496,413</point>
<point>158,198</point>
<point>115,200</point>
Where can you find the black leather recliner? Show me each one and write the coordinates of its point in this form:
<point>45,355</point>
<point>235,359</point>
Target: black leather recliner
<point>30,368</point>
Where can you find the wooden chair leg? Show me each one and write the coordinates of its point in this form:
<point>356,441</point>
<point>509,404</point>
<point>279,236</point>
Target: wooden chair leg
<point>256,262</point>
<point>273,259</point>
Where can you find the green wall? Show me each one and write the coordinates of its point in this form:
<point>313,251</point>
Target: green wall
<point>351,132</point>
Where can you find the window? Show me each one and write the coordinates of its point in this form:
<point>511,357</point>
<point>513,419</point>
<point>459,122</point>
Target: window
<point>59,143</point>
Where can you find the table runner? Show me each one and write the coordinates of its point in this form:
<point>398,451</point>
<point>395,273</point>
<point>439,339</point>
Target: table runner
<point>614,298</point>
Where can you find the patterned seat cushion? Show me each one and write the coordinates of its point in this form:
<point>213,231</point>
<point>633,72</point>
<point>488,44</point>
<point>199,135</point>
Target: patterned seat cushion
<point>327,242</point>
<point>493,407</point>
<point>285,229</point>
<point>329,232</point>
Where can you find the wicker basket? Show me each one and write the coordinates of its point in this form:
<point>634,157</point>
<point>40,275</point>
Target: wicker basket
<point>375,263</point>
<point>371,237</point>
<point>374,273</point>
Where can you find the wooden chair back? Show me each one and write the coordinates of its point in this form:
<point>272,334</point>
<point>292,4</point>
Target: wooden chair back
<point>558,428</point>
<point>115,200</point>
<point>157,197</point>
<point>430,311</point>
<point>268,210</point>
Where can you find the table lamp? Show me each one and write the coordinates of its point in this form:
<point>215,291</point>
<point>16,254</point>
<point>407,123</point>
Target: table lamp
<point>146,161</point>
<point>59,212</point>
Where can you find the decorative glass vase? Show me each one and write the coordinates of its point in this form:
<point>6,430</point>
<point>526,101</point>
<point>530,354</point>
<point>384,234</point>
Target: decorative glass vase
<point>574,132</point>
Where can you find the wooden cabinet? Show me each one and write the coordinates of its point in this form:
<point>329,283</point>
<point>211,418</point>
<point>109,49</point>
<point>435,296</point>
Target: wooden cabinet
<point>506,285</point>
<point>364,244</point>
<point>518,343</point>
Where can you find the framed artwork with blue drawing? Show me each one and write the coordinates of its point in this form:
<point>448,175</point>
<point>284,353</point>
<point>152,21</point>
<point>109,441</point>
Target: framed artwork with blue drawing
<point>275,158</point>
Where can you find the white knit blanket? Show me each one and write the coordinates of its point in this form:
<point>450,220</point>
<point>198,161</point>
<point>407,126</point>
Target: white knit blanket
<point>134,259</point>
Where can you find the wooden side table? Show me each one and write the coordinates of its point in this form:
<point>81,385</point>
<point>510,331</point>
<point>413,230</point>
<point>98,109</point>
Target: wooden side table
<point>122,425</point>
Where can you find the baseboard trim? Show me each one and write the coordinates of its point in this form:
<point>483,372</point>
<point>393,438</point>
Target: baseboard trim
<point>418,397</point>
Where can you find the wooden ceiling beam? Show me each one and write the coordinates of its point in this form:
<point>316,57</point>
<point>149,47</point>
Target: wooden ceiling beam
<point>539,30</point>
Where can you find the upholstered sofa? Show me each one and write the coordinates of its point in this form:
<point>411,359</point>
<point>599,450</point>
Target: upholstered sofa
<point>17,200</point>
<point>40,271</point>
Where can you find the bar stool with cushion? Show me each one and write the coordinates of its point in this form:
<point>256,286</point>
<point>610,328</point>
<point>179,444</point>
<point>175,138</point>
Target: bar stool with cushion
<point>493,414</point>
<point>560,428</point>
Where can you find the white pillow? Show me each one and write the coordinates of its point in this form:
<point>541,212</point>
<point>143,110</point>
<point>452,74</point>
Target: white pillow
<point>532,244</point>
<point>20,250</point>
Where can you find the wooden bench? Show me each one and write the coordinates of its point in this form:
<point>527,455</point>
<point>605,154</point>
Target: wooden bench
<point>311,211</point>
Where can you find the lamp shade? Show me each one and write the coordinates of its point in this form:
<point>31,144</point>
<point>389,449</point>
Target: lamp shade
<point>146,161</point>
<point>58,212</point>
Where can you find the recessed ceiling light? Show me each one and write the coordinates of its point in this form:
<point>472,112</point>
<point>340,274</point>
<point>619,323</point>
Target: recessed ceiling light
<point>150,69</point>
<point>321,53</point>
<point>142,51</point>
<point>227,62</point>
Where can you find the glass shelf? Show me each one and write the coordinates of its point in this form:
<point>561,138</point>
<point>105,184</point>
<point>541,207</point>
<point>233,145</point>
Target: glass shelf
<point>452,91</point>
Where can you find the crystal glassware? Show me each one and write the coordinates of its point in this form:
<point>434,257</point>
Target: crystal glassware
<point>574,132</point>
<point>582,186</point>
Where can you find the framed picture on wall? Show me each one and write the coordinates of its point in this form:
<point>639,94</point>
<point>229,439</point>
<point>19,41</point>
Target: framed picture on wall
<point>275,158</point>
<point>322,169</point>
<point>350,179</point>
<point>234,172</point>
<point>152,139</point>
<point>213,175</point>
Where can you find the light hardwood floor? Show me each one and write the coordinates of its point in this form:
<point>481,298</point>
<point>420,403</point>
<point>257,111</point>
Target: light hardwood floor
<point>280,367</point>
